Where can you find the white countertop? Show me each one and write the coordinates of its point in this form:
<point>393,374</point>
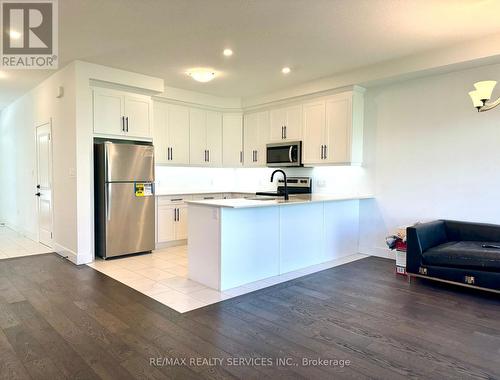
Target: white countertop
<point>174,193</point>
<point>294,199</point>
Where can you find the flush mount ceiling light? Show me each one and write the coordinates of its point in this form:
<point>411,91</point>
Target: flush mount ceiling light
<point>285,70</point>
<point>201,74</point>
<point>227,52</point>
<point>482,94</point>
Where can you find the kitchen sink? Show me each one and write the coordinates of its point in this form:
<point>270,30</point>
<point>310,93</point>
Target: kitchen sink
<point>263,198</point>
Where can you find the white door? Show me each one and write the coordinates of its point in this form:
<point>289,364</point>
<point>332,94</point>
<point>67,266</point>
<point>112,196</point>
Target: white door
<point>232,140</point>
<point>338,130</point>
<point>263,138</point>
<point>250,138</point>
<point>314,132</point>
<point>44,183</point>
<point>166,224</point>
<point>137,112</point>
<point>197,137</point>
<point>108,112</point>
<point>278,121</point>
<point>214,138</point>
<point>178,134</point>
<point>181,226</point>
<point>160,132</point>
<point>293,124</point>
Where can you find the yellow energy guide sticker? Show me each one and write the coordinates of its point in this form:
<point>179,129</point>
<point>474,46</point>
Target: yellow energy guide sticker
<point>143,189</point>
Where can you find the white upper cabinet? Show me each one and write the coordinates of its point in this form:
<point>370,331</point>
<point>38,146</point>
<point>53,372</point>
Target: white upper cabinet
<point>205,128</point>
<point>160,132</point>
<point>256,136</point>
<point>313,132</point>
<point>214,138</point>
<point>286,123</point>
<point>137,112</point>
<point>333,129</point>
<point>232,140</point>
<point>178,134</point>
<point>198,137</point>
<point>119,113</point>
<point>108,112</point>
<point>171,133</point>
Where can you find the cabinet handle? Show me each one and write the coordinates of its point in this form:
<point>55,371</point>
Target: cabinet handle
<point>123,123</point>
<point>176,199</point>
<point>208,155</point>
<point>241,156</point>
<point>178,215</point>
<point>282,132</point>
<point>126,119</point>
<point>322,152</point>
<point>168,154</point>
<point>171,153</point>
<point>285,132</point>
<point>256,155</point>
<point>326,152</point>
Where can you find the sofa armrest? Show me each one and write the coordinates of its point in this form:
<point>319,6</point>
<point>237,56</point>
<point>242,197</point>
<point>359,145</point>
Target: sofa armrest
<point>420,238</point>
<point>466,231</point>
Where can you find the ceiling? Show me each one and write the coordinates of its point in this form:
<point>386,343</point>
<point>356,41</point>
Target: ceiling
<point>316,38</point>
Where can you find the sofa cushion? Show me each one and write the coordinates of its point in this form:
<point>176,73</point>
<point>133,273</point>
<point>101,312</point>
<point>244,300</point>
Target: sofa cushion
<point>464,254</point>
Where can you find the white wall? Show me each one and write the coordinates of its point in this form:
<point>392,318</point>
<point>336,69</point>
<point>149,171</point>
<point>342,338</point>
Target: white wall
<point>17,157</point>
<point>430,154</point>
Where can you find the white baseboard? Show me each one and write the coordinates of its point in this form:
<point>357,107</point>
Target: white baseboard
<point>66,253</point>
<point>386,253</point>
<point>174,243</point>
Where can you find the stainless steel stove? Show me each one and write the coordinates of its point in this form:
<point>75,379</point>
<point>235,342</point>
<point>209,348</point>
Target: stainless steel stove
<point>296,185</point>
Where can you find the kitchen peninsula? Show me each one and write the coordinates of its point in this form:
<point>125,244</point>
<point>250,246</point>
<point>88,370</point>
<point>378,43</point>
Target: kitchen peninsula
<point>233,242</point>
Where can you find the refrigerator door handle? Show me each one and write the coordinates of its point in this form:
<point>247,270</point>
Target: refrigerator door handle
<point>108,201</point>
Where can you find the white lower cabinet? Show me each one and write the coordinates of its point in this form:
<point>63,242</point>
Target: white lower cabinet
<point>172,219</point>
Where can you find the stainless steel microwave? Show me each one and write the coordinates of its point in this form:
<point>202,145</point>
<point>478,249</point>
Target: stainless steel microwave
<point>284,154</point>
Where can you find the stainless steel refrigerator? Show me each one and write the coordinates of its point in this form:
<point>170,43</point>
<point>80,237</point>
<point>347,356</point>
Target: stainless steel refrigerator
<point>124,199</point>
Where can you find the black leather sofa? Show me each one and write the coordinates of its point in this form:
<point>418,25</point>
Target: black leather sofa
<point>458,252</point>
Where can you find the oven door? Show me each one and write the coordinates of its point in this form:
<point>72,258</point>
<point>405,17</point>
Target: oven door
<point>284,154</point>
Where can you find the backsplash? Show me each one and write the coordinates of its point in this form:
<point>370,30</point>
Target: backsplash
<point>335,180</point>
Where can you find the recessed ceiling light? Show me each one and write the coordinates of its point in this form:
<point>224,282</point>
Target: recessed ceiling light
<point>14,34</point>
<point>201,74</point>
<point>227,52</point>
<point>285,70</point>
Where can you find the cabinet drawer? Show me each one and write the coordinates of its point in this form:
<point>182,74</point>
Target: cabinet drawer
<point>201,197</point>
<point>164,200</point>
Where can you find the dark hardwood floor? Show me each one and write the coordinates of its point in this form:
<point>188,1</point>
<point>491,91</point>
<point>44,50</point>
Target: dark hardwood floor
<point>62,321</point>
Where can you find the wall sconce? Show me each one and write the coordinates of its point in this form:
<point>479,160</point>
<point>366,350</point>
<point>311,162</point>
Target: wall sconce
<point>482,94</point>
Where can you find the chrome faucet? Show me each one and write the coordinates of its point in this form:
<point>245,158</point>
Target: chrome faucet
<point>284,179</point>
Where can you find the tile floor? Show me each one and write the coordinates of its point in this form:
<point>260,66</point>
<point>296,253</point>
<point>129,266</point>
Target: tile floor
<point>163,275</point>
<point>13,244</point>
